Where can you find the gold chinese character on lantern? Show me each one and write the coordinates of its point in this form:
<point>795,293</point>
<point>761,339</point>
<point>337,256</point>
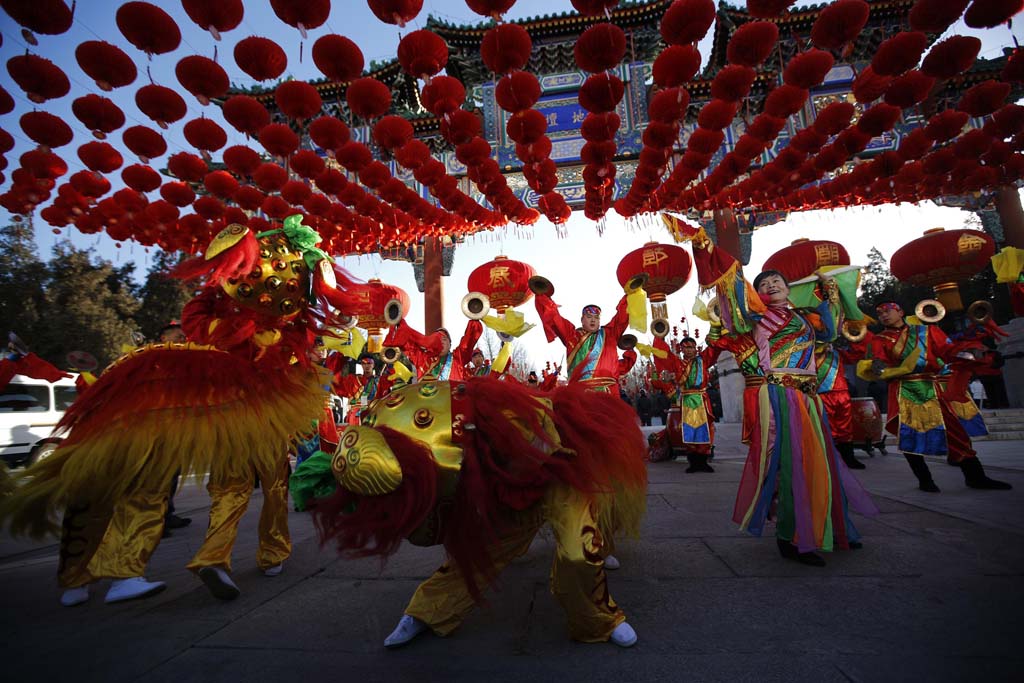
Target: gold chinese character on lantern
<point>652,257</point>
<point>969,244</point>
<point>826,254</point>
<point>499,277</point>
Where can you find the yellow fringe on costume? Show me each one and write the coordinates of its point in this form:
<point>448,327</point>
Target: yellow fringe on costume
<point>159,411</point>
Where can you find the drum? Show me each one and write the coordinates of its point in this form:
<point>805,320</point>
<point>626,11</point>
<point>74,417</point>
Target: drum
<point>675,427</point>
<point>867,420</point>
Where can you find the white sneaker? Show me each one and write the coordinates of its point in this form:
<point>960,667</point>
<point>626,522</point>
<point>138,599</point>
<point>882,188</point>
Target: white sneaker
<point>219,582</point>
<point>274,571</point>
<point>623,635</point>
<point>611,562</point>
<point>129,589</point>
<point>407,629</point>
<point>75,596</point>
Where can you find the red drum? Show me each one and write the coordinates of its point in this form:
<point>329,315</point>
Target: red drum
<point>675,427</point>
<point>867,420</point>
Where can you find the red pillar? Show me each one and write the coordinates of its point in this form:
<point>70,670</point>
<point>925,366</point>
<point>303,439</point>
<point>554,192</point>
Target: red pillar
<point>433,285</point>
<point>727,233</point>
<point>1011,215</point>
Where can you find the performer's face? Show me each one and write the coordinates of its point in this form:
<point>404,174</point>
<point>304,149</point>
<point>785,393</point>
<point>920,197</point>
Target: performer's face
<point>774,288</point>
<point>590,322</point>
<point>446,344</point>
<point>890,317</point>
<point>478,359</point>
<point>175,335</point>
<point>367,365</point>
<point>689,350</point>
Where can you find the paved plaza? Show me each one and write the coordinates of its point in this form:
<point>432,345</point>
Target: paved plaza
<point>935,595</point>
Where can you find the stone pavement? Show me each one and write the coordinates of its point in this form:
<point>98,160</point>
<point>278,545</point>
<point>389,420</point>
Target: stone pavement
<point>936,594</point>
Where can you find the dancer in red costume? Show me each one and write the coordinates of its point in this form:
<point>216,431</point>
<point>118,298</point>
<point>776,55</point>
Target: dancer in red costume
<point>433,354</point>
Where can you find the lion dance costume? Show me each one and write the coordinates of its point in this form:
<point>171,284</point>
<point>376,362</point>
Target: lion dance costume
<point>227,402</point>
<point>479,466</point>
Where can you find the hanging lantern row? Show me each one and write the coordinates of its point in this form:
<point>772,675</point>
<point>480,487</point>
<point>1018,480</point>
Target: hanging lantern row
<point>368,207</point>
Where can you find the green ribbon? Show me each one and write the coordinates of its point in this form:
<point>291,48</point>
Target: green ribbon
<point>302,238</point>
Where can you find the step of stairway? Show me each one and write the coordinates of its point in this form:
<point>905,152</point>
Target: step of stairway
<point>1000,436</point>
<point>1010,413</point>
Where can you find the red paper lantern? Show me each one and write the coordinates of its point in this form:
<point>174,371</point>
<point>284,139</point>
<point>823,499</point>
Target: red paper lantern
<point>295,191</point>
<point>935,16</point>
<point>329,133</point>
<point>785,100</point>
<point>899,53</point>
<point>1013,72</point>
<point>354,156</point>
<point>208,207</point>
<point>422,53</point>
<point>302,14</point>
<point>869,86</point>
<point>161,104</point>
<point>676,65</point>
<point>178,193</point>
<point>984,98</point>
<point>370,303</point>
<point>717,114</point>
<point>279,139</point>
<point>6,102</point>
<point>42,164</point>
<point>368,98</point>
<point>242,160</point>
<point>249,198</point>
<point>338,58</point>
<point>392,132</point>
<point>307,163</point>
<point>40,78</point>
<point>106,64</point>
<point>260,58</point>
<point>215,17</point>
<point>834,118</point>
<point>804,257</point>
<point>270,177</point>
<point>526,126</point>
<point>148,28</point>
<point>668,106</point>
<point>600,47</point>
<point>808,69</point>
<point>991,13</point>
<point>145,142</point>
<point>442,95</point>
<point>46,129</point>
<point>517,91</point>
<point>686,21</point>
<point>140,178</point>
<point>839,23</point>
<point>732,82</point>
<point>601,93</point>
<point>100,157</point>
<point>205,135</point>
<point>331,181</point>
<point>909,89</point>
<point>705,141</point>
<point>751,43</point>
<point>398,12</point>
<point>667,267</point>
<point>202,77</point>
<point>504,281</point>
<point>187,167</point>
<point>49,17</point>
<point>220,184</point>
<point>245,114</point>
<point>506,48</point>
<point>951,57</point>
<point>941,259</point>
<point>491,8</point>
<point>298,100</point>
<point>765,127</point>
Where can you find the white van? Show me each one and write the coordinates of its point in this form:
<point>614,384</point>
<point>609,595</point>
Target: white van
<point>29,410</point>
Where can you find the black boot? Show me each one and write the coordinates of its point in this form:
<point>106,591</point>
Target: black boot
<point>846,453</point>
<point>692,459</point>
<point>921,471</point>
<point>790,552</point>
<point>975,477</point>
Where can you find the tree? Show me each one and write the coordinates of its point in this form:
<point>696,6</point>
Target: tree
<point>163,296</point>
<point>88,307</point>
<point>22,281</point>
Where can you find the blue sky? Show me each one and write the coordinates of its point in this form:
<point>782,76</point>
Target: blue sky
<point>581,264</point>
